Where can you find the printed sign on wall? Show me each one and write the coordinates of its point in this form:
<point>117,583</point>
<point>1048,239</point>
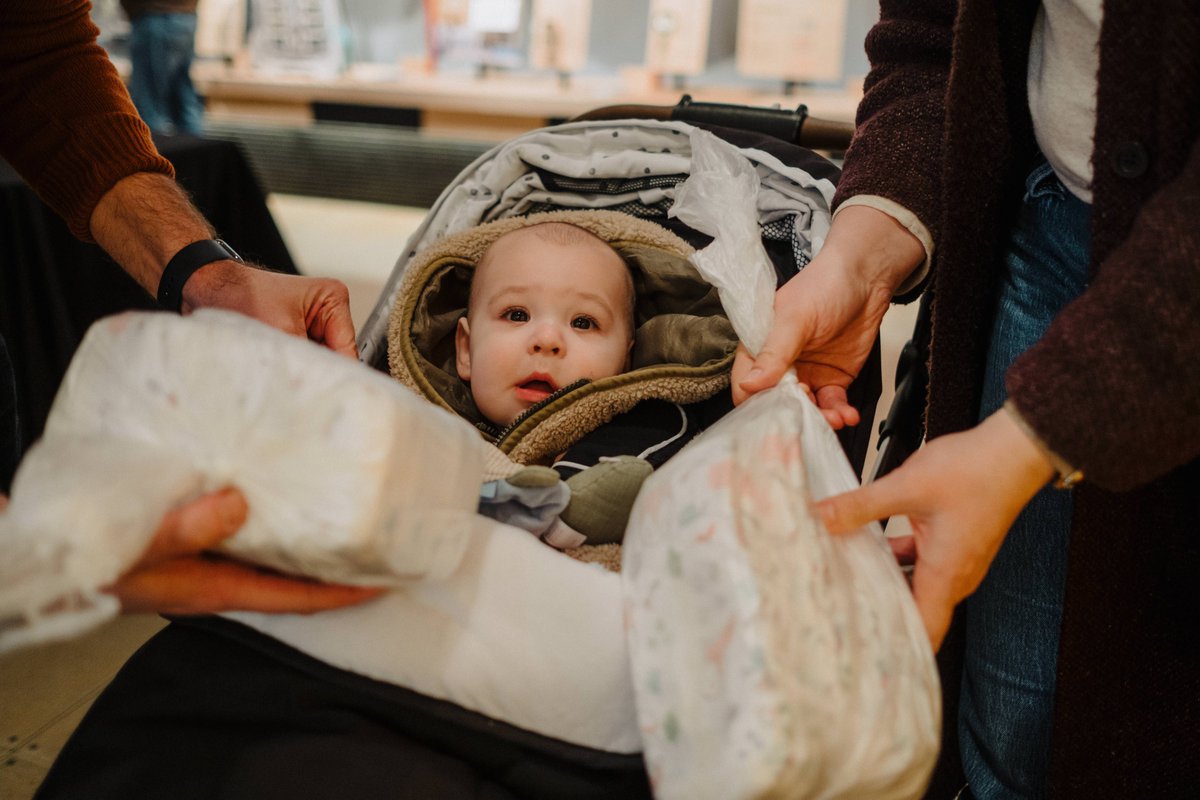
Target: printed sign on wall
<point>677,39</point>
<point>558,34</point>
<point>800,40</point>
<point>296,37</point>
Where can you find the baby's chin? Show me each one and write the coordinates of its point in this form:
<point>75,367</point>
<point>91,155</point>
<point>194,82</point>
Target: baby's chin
<point>508,418</point>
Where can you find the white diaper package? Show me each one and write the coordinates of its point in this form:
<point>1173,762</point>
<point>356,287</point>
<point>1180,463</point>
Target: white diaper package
<point>770,659</point>
<point>349,476</point>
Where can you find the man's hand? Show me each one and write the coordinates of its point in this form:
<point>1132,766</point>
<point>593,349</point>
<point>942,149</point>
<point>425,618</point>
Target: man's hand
<point>828,316</point>
<point>146,218</point>
<point>961,494</point>
<point>315,308</point>
<point>177,575</point>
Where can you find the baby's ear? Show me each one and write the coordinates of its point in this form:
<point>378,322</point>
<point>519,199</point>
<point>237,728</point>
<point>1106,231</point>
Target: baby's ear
<point>462,349</point>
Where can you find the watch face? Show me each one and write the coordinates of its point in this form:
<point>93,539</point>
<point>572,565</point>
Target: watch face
<point>225,246</point>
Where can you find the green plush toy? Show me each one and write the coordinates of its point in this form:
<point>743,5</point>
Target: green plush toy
<point>601,495</point>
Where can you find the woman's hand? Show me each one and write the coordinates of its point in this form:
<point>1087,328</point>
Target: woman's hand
<point>961,494</point>
<point>826,320</point>
<point>828,316</point>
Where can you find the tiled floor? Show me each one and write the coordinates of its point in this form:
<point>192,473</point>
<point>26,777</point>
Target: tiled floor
<point>44,691</point>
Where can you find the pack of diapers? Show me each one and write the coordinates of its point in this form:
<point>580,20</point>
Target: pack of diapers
<point>771,659</point>
<point>349,476</point>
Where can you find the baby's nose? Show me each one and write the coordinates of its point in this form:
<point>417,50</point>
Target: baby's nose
<point>547,339</point>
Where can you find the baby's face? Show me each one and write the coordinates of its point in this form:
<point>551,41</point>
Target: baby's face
<point>542,315</point>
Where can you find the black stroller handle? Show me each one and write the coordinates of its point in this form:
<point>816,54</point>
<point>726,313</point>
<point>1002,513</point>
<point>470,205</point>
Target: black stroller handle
<point>790,125</point>
<point>902,432</point>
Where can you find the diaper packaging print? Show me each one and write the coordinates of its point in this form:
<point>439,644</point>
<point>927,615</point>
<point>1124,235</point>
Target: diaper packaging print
<point>771,659</point>
<point>349,476</point>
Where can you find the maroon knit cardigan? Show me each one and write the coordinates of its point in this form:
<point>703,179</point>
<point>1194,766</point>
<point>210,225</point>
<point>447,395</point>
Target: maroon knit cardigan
<point>66,121</point>
<point>1114,386</point>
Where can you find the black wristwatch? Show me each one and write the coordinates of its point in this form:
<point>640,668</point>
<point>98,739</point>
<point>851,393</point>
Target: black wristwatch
<point>184,263</point>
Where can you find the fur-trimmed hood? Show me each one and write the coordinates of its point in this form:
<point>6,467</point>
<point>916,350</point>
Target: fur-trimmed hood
<point>683,349</point>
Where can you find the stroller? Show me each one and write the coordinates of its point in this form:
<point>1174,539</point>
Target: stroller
<point>487,685</point>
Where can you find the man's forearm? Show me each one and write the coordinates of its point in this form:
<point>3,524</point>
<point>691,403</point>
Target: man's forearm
<point>143,221</point>
<point>146,219</point>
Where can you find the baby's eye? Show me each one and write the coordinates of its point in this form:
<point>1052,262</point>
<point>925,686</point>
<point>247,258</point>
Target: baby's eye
<point>583,323</point>
<point>516,315</point>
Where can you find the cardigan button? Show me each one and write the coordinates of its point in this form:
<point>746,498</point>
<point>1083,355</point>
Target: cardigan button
<point>1131,160</point>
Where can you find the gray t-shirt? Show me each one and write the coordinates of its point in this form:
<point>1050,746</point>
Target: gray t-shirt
<point>1064,60</point>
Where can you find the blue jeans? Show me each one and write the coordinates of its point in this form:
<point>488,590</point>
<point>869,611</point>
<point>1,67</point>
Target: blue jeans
<point>161,47</point>
<point>1013,619</point>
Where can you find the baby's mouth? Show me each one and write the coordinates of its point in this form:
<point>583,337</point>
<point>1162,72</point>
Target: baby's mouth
<point>536,388</point>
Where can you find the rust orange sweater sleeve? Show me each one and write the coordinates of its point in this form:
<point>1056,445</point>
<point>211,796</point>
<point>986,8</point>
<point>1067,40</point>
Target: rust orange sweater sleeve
<point>69,126</point>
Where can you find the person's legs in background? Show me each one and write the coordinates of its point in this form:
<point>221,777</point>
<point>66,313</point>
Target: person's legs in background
<point>161,48</point>
<point>148,82</point>
<point>1013,619</point>
<point>187,108</point>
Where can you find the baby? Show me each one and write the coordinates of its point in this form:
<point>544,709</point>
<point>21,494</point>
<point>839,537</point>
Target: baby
<point>533,327</point>
<point>581,343</point>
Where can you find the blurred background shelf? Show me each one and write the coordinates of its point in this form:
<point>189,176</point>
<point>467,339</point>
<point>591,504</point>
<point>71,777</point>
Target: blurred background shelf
<point>491,108</point>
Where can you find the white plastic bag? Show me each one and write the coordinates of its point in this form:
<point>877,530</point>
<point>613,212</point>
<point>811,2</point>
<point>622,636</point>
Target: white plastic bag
<point>770,659</point>
<point>349,476</point>
<point>719,198</point>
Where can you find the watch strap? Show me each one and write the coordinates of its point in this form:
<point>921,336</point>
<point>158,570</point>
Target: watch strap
<point>184,263</point>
